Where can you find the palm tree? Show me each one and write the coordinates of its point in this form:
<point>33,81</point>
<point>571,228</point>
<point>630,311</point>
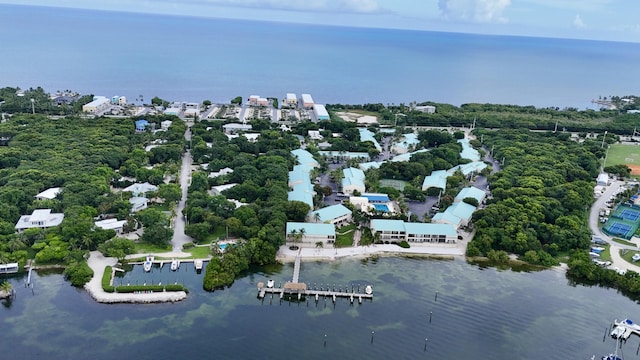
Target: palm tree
<point>5,289</point>
<point>293,234</point>
<point>16,243</point>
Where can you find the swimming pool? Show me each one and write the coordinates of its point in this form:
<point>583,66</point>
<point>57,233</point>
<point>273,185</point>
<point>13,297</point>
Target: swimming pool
<point>381,207</point>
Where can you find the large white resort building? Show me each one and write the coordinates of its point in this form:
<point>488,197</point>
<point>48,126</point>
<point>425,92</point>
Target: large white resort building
<point>415,233</point>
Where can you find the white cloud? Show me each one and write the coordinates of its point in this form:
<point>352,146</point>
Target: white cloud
<point>474,10</point>
<point>578,23</point>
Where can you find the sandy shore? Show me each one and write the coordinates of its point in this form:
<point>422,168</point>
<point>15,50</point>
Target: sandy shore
<point>97,262</point>
<point>286,255</point>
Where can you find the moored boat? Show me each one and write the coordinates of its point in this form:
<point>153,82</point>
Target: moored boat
<point>197,264</point>
<point>270,283</point>
<point>368,290</point>
<point>148,263</point>
<point>175,264</point>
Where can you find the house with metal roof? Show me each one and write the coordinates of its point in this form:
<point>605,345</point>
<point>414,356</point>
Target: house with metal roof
<point>48,194</point>
<point>338,215</point>
<point>304,157</point>
<point>111,224</point>
<point>418,233</point>
<point>344,155</point>
<point>39,218</point>
<point>309,234</point>
<point>351,185</point>
<point>234,128</point>
<point>457,214</point>
<point>138,203</point>
<point>353,173</point>
<point>139,189</point>
<point>466,169</point>
<point>141,125</point>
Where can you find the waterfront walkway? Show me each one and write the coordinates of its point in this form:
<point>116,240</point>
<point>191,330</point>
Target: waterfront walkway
<point>97,262</point>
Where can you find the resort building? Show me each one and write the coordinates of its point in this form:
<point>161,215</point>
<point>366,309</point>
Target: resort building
<point>40,218</point>
<point>291,100</point>
<point>457,214</point>
<point>315,135</point>
<point>175,111</point>
<point>118,100</point>
<point>48,194</point>
<point>344,155</point>
<point>217,190</point>
<point>304,158</point>
<point>471,192</point>
<point>363,204</point>
<point>111,224</point>
<point>418,233</point>
<point>468,152</point>
<point>320,112</point>
<point>165,125</point>
<point>99,104</point>
<point>308,234</point>
<point>353,180</point>
<point>366,135</point>
<point>337,215</point>
<point>299,178</point>
<point>307,101</point>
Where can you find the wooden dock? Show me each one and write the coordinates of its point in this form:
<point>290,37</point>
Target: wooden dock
<point>296,289</point>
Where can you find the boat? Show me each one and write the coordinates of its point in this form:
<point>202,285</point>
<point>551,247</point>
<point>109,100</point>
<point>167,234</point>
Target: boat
<point>270,284</point>
<point>624,329</point>
<point>368,290</point>
<point>175,264</point>
<point>148,263</point>
<point>197,264</point>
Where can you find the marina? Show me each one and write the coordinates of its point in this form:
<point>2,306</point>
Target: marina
<point>295,290</point>
<point>624,329</point>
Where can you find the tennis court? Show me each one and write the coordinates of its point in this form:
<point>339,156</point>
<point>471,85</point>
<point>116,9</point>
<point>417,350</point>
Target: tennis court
<point>629,214</point>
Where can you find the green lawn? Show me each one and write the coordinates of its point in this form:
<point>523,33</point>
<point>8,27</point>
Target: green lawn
<point>143,247</point>
<point>199,252</point>
<point>344,236</point>
<point>623,242</point>
<point>623,154</point>
<point>628,254</point>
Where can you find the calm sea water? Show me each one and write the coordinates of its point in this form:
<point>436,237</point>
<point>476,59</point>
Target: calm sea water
<point>192,59</point>
<point>479,314</point>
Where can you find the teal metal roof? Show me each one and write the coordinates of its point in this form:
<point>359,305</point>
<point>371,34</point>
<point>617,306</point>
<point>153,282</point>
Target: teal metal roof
<point>462,210</point>
<point>467,169</point>
<point>352,182</point>
<point>368,165</point>
<point>447,217</point>
<point>312,228</point>
<point>366,135</point>
<point>331,212</point>
<point>353,173</point>
<point>304,157</point>
<point>387,225</point>
<point>437,179</point>
<point>467,151</point>
<point>430,229</point>
<point>305,197</point>
<point>345,154</point>
<point>470,192</point>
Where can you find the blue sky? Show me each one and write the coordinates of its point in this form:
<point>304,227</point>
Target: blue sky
<point>617,20</point>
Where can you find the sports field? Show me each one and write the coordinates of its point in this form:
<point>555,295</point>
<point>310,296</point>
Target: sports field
<point>399,184</point>
<point>624,154</point>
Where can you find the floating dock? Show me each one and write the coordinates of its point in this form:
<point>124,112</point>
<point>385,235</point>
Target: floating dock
<point>624,329</point>
<point>296,289</point>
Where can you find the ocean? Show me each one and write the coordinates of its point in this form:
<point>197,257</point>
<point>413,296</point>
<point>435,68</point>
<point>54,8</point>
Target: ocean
<point>192,59</point>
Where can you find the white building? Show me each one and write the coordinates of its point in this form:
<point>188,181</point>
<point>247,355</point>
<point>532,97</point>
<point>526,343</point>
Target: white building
<point>337,215</point>
<point>138,203</point>
<point>308,234</point>
<point>419,233</point>
<point>111,224</point>
<point>320,112</point>
<point>99,104</point>
<point>48,194</point>
<point>138,189</point>
<point>602,180</point>
<point>166,124</point>
<point>307,101</point>
<point>426,109</point>
<point>291,100</point>
<point>40,218</point>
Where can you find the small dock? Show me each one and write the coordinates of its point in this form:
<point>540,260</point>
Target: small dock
<point>296,289</point>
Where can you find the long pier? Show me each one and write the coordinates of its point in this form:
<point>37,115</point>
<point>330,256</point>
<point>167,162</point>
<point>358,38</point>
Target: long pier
<point>300,290</point>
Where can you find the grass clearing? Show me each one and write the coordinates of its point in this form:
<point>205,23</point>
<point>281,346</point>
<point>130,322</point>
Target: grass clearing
<point>623,154</point>
<point>143,247</point>
<point>199,252</point>
<point>396,184</point>
<point>623,242</point>
<point>627,255</point>
<point>344,236</point>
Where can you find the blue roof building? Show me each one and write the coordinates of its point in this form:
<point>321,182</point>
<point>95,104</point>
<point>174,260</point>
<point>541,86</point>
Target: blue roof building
<point>376,198</point>
<point>304,157</point>
<point>458,214</point>
<point>437,179</point>
<point>466,169</point>
<point>141,125</point>
<point>353,173</point>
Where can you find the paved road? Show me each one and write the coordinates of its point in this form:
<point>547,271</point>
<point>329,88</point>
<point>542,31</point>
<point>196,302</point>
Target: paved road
<point>616,260</point>
<point>179,237</point>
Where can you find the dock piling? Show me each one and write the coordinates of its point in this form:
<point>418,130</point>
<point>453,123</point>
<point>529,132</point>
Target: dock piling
<point>372,336</point>
<point>431,313</point>
<point>436,300</point>
<point>425,344</point>
<point>325,340</point>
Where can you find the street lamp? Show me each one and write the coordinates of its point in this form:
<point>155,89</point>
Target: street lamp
<point>33,108</point>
